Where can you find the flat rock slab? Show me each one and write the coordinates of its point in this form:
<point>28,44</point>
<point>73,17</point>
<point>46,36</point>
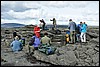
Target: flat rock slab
<point>67,58</point>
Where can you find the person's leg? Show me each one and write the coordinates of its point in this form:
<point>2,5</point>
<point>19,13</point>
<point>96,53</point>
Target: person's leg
<point>71,36</point>
<point>84,37</point>
<point>81,37</point>
<point>74,37</point>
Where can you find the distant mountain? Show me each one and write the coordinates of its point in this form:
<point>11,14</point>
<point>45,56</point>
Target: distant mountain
<point>11,25</point>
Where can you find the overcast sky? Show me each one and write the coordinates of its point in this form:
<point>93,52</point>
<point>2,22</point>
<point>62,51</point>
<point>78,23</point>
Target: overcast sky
<point>30,12</point>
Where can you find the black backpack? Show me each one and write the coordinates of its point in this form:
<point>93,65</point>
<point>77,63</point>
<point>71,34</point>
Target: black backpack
<point>31,42</point>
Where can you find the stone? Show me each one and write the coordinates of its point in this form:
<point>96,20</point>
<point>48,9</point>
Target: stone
<point>97,64</point>
<point>90,52</point>
<point>97,49</point>
<point>95,58</point>
<point>68,58</point>
<point>92,35</point>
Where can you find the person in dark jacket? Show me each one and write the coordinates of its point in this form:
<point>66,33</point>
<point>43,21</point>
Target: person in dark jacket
<point>43,27</point>
<point>78,32</point>
<point>14,34</point>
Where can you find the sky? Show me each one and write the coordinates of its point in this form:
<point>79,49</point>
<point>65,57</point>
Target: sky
<point>30,12</point>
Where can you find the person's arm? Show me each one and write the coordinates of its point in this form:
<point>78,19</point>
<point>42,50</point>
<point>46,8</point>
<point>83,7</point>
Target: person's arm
<point>51,20</point>
<point>69,26</point>
<point>21,45</point>
<point>82,27</point>
<point>11,44</point>
<point>50,41</point>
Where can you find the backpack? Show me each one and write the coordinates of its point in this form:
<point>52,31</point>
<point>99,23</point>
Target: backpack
<point>31,42</point>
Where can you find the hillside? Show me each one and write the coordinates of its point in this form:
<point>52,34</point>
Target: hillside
<point>78,54</point>
<point>11,25</point>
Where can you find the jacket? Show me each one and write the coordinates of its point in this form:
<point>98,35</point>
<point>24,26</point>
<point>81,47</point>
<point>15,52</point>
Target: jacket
<point>72,26</point>
<point>45,40</point>
<point>84,28</point>
<point>16,45</point>
<point>36,41</point>
<point>79,28</point>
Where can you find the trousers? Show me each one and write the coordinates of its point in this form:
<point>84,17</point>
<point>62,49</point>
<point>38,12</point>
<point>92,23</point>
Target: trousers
<point>83,37</point>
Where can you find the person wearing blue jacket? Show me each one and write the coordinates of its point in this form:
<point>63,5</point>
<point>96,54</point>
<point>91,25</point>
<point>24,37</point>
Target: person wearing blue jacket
<point>78,32</point>
<point>34,43</point>
<point>16,45</point>
<point>83,32</point>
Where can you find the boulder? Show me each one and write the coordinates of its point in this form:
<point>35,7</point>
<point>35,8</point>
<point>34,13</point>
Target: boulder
<point>93,35</point>
<point>67,58</point>
<point>95,58</point>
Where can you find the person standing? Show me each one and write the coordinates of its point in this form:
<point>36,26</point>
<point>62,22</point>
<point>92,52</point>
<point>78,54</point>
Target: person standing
<point>72,28</point>
<point>43,24</point>
<point>83,32</point>
<point>54,23</point>
<point>78,32</point>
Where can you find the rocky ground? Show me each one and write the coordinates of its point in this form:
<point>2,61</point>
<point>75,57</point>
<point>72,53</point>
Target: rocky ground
<point>78,54</point>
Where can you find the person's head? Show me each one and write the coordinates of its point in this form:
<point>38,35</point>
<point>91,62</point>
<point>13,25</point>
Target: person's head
<point>84,22</point>
<point>80,22</point>
<point>70,19</point>
<point>42,20</point>
<point>45,34</point>
<point>16,38</point>
<point>53,18</point>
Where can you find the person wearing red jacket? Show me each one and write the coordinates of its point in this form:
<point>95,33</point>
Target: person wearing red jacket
<point>37,31</point>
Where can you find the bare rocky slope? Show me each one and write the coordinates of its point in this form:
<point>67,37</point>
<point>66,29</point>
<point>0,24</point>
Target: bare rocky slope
<point>78,54</point>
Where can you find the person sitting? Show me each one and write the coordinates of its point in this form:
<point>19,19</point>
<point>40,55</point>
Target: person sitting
<point>36,31</point>
<point>16,45</point>
<point>34,43</point>
<point>14,34</point>
<point>45,40</point>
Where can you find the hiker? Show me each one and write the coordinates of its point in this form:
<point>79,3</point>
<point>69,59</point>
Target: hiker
<point>72,28</point>
<point>43,26</point>
<point>54,23</point>
<point>16,45</point>
<point>34,43</point>
<point>67,37</point>
<point>78,32</point>
<point>14,34</point>
<point>46,40</point>
<point>83,32</point>
<point>37,31</point>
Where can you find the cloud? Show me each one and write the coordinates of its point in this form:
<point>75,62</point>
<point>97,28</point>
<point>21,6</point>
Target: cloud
<point>22,11</point>
<point>23,15</point>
